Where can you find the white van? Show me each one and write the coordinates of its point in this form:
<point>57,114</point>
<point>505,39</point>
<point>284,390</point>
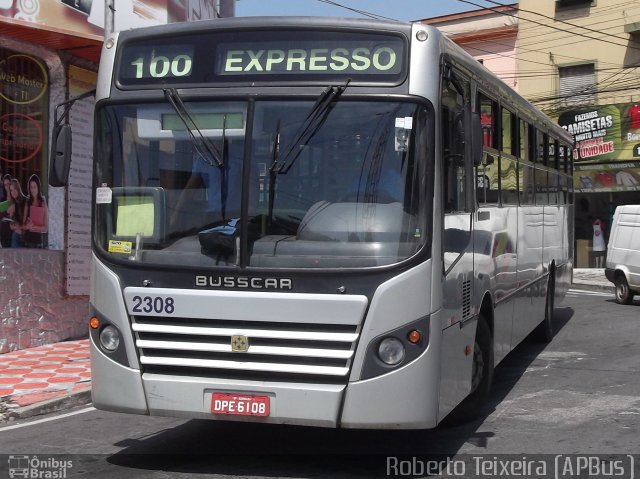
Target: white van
<point>623,253</point>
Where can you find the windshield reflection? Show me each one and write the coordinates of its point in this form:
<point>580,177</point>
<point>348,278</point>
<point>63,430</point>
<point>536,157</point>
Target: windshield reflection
<point>353,197</point>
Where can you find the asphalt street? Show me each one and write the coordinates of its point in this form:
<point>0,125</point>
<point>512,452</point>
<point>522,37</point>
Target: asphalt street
<point>580,394</point>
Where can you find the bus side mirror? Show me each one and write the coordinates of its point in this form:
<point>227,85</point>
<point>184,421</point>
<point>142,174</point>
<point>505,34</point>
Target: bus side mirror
<point>60,160</point>
<point>477,139</point>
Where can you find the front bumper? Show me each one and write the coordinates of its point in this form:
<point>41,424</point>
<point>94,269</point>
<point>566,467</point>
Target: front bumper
<point>393,401</point>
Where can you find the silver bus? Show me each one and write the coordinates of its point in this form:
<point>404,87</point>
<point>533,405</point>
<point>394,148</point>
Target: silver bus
<point>327,222</point>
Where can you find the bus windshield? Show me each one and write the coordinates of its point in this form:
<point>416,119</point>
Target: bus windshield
<point>289,186</point>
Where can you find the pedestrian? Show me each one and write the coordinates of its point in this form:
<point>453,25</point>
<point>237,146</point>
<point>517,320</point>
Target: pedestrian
<point>599,245</point>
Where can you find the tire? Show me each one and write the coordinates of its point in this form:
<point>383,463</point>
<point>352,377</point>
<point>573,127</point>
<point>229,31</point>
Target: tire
<point>624,295</point>
<point>544,331</point>
<point>482,377</point>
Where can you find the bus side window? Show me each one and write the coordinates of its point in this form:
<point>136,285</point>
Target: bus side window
<point>527,184</point>
<point>554,188</point>
<point>488,109</point>
<point>523,132</point>
<point>487,181</point>
<point>508,181</point>
<point>509,137</point>
<point>541,186</point>
<point>453,145</point>
<point>454,167</point>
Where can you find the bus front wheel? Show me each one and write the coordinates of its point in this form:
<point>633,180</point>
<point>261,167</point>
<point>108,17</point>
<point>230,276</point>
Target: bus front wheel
<point>481,378</point>
<point>544,332</point>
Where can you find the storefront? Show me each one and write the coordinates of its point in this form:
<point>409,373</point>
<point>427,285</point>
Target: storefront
<point>606,169</point>
<point>45,231</point>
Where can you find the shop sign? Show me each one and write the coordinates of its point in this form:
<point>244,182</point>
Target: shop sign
<point>20,138</point>
<point>23,82</point>
<point>24,213</point>
<point>604,133</point>
<point>608,177</point>
<point>18,87</point>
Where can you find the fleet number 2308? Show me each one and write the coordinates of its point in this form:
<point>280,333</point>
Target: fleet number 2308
<point>153,304</point>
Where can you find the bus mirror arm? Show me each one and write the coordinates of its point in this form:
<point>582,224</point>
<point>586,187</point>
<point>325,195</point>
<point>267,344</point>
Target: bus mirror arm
<point>60,158</point>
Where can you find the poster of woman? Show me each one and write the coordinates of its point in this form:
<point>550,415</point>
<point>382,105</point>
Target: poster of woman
<point>35,223</point>
<point>24,221</point>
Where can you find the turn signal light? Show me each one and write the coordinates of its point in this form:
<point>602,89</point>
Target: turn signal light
<point>414,336</point>
<point>94,323</point>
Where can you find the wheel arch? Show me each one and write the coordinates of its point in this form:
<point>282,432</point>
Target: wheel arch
<point>487,311</point>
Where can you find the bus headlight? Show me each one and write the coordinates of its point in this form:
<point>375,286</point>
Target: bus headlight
<point>391,351</point>
<point>110,338</point>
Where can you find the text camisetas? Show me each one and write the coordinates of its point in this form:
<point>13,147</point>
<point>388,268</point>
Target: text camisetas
<point>381,59</point>
<point>589,125</point>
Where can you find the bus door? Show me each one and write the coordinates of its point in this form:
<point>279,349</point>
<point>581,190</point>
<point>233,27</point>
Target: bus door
<point>457,239</point>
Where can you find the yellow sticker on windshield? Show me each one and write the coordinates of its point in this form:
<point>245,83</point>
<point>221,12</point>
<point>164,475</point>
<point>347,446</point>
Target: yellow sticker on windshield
<point>124,247</point>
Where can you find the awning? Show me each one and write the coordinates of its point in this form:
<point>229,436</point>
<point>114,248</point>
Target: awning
<point>84,45</point>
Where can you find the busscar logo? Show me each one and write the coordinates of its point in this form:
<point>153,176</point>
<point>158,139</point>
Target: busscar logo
<point>239,343</point>
<point>243,282</point>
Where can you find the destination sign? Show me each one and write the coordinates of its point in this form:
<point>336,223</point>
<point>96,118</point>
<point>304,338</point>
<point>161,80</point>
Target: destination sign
<point>307,57</point>
<point>259,56</point>
<point>160,62</point>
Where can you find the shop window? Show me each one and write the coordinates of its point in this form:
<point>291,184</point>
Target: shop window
<point>24,106</point>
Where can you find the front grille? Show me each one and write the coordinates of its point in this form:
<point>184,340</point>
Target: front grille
<point>276,350</point>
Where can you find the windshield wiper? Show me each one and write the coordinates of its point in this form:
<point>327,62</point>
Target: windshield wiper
<point>309,127</point>
<point>275,154</point>
<point>203,145</point>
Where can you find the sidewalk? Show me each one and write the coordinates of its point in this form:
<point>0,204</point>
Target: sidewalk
<point>55,377</point>
<point>591,278</point>
<point>44,379</point>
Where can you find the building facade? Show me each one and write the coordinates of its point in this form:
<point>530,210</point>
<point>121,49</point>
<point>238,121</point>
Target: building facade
<point>45,231</point>
<point>578,61</point>
<point>489,35</point>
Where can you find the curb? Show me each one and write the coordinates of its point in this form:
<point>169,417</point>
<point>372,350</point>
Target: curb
<point>607,288</point>
<point>12,412</point>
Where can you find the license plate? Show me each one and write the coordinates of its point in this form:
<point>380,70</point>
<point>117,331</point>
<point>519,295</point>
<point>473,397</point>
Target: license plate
<point>240,404</point>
